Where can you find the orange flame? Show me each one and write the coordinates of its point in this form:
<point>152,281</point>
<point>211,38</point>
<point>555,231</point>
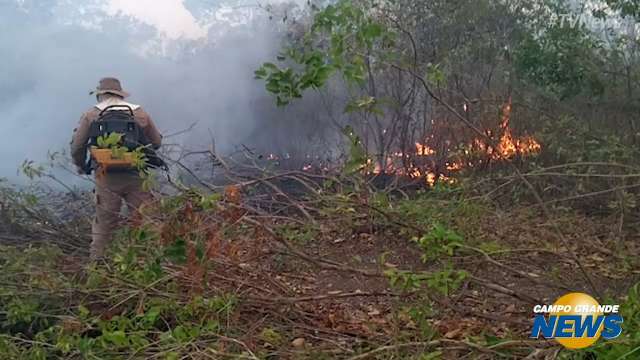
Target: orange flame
<point>424,150</point>
<point>507,147</point>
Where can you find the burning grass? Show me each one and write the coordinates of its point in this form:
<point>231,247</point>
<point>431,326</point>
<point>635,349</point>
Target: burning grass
<point>436,156</point>
<point>437,160</point>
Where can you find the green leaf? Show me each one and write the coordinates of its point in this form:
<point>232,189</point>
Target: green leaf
<point>270,66</point>
<point>373,30</point>
<point>357,154</point>
<point>177,252</point>
<point>118,337</point>
<point>261,73</point>
<point>152,315</point>
<point>83,312</point>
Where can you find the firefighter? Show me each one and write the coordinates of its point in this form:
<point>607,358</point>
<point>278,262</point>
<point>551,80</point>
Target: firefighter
<point>112,187</point>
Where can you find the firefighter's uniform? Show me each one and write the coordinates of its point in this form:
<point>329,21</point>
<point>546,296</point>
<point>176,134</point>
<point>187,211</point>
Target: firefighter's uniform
<point>112,187</point>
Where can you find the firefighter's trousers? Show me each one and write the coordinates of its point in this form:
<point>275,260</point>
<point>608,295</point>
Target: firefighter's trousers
<point>111,190</point>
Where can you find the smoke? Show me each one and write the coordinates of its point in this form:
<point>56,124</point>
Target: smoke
<point>54,52</point>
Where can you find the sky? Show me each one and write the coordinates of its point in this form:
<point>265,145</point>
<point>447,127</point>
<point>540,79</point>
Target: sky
<point>169,17</point>
<point>186,62</point>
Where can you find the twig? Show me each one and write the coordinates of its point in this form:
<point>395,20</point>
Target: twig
<point>322,297</point>
<point>518,173</point>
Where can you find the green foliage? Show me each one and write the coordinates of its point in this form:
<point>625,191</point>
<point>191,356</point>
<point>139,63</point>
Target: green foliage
<point>439,242</point>
<point>208,202</point>
<point>284,83</point>
<point>177,252</point>
<point>297,234</point>
<point>447,280</point>
<point>438,245</point>
<point>368,104</point>
<point>435,74</point>
<point>338,41</point>
<point>20,311</point>
<point>568,140</point>
<point>626,8</point>
<point>67,330</point>
<point>443,282</point>
<point>110,141</point>
<point>137,156</point>
<point>357,160</point>
<point>113,141</point>
<point>442,204</point>
<point>421,314</point>
<point>41,320</point>
<point>561,60</point>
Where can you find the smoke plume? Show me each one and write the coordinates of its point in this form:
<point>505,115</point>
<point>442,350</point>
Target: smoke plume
<point>54,52</point>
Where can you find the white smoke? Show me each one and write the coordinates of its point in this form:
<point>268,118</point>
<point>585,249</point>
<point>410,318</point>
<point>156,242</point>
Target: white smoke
<point>184,61</point>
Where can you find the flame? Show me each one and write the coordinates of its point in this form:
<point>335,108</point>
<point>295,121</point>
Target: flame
<point>508,145</point>
<point>455,166</point>
<point>431,178</point>
<point>421,164</point>
<point>424,150</point>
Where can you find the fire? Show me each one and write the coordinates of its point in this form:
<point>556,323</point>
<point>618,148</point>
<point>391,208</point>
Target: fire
<point>423,150</point>
<point>440,165</point>
<point>431,178</point>
<point>508,147</point>
<point>455,166</point>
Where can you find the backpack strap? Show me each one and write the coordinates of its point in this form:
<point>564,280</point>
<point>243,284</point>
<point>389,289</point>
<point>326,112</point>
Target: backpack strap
<point>113,101</point>
<point>114,107</point>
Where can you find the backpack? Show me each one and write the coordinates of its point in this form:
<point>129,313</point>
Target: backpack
<point>118,119</point>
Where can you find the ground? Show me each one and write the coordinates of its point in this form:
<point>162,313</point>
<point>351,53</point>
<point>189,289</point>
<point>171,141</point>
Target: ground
<point>343,272</point>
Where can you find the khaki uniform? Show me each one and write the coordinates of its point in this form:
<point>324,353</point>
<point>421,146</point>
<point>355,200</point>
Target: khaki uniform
<point>113,187</point>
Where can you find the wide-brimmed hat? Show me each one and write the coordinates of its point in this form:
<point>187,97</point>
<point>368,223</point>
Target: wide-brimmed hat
<point>110,85</point>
